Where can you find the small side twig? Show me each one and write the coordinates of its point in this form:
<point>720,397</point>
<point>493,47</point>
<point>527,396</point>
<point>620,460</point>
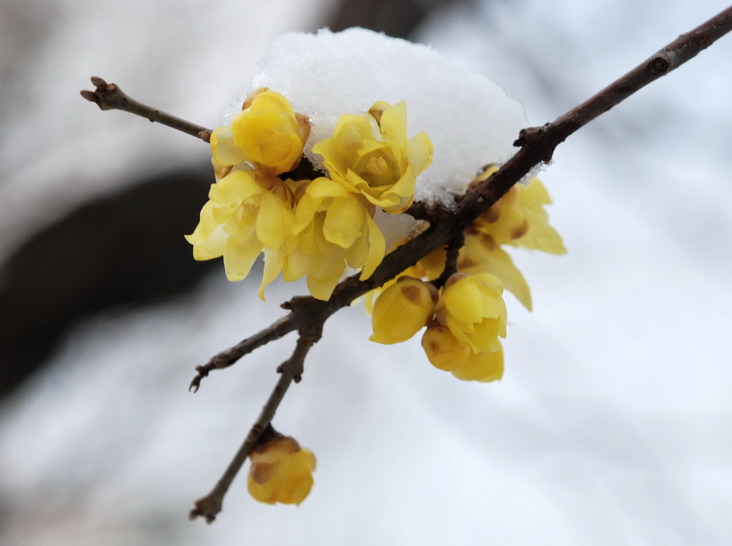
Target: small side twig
<point>226,358</point>
<point>291,370</point>
<point>451,258</point>
<point>108,96</point>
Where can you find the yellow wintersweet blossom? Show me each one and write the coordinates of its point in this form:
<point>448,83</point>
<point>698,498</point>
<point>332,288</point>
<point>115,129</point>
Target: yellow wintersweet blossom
<point>402,310</point>
<point>281,471</point>
<point>247,213</point>
<point>334,229</point>
<point>472,308</point>
<point>370,154</point>
<point>518,218</point>
<point>267,133</point>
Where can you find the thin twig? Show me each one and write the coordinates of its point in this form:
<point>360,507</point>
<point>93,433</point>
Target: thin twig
<point>108,96</point>
<point>290,370</point>
<point>226,358</point>
<point>451,258</point>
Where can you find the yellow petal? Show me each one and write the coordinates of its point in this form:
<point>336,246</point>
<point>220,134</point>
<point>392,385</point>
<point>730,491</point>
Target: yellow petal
<point>443,349</point>
<point>296,266</point>
<point>420,152</point>
<point>240,253</point>
<point>480,254</point>
<point>235,187</point>
<point>481,367</point>
<point>273,221</point>
<point>402,310</point>
<point>377,249</point>
<point>343,220</point>
<point>323,275</point>
<point>274,261</point>
<point>223,149</point>
<point>394,123</point>
<point>209,237</point>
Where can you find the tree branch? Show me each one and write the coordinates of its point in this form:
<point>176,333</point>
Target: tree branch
<point>308,315</point>
<point>108,96</point>
<point>226,358</point>
<point>290,370</point>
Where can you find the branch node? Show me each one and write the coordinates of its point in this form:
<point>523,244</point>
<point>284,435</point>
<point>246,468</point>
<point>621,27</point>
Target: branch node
<point>659,65</point>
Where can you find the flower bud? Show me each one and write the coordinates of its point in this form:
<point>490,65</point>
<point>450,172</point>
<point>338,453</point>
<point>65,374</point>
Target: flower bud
<point>268,134</point>
<point>281,471</point>
<point>402,310</point>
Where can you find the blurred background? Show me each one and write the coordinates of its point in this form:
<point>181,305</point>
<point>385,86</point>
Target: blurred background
<point>613,423</point>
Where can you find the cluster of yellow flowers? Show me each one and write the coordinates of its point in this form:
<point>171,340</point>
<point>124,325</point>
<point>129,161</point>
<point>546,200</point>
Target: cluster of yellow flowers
<point>306,228</point>
<point>315,228</point>
<point>466,316</point>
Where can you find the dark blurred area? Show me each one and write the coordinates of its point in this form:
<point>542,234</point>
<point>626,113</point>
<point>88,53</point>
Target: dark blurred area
<point>126,249</point>
<point>398,18</point>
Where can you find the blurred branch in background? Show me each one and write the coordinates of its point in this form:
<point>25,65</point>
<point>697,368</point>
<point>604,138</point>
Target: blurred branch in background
<point>124,249</point>
<point>396,18</point>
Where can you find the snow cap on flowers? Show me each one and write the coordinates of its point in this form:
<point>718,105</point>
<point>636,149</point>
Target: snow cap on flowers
<point>469,119</point>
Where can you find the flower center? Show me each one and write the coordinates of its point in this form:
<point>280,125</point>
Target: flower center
<point>378,168</point>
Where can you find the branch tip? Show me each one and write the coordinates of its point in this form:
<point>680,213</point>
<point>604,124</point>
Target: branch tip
<point>659,65</point>
<point>89,95</point>
<point>207,508</point>
<point>108,96</point>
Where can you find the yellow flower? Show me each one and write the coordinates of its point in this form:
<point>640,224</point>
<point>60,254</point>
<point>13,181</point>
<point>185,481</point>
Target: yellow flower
<point>334,229</point>
<point>247,213</point>
<point>519,219</point>
<point>267,133</point>
<point>371,154</point>
<point>472,308</point>
<point>281,471</point>
<point>402,310</point>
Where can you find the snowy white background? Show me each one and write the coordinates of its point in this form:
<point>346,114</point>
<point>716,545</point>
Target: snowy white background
<point>613,422</point>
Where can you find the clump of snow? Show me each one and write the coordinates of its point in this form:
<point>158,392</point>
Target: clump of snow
<point>469,118</point>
